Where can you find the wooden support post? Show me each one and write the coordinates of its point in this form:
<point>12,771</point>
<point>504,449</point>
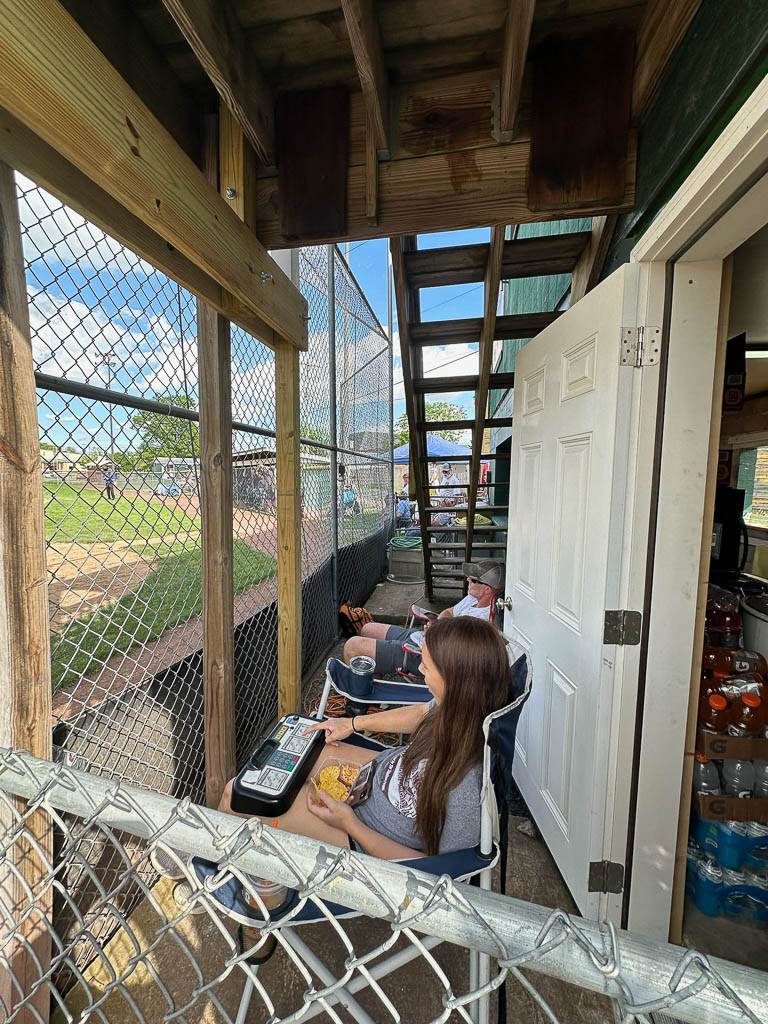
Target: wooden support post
<point>216,518</point>
<point>25,661</point>
<point>288,529</point>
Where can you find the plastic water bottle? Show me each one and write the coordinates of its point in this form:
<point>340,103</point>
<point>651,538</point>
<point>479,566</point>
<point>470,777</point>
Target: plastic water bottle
<point>738,778</point>
<point>760,788</point>
<point>705,778</point>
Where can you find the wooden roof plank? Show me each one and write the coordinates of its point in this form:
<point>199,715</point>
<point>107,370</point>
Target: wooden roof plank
<point>62,88</point>
<point>517,33</point>
<point>213,31</point>
<point>365,38</point>
<point>522,257</point>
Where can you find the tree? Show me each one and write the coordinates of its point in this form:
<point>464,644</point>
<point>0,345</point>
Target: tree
<point>434,411</point>
<point>166,436</point>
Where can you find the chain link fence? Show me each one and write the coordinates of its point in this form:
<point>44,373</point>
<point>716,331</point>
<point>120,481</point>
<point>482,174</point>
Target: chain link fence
<point>116,366</point>
<point>187,960</point>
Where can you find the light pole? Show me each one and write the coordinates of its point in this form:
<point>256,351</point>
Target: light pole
<point>108,361</point>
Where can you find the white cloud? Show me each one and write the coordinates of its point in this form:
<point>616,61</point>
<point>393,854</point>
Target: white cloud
<point>448,361</point>
<point>52,230</point>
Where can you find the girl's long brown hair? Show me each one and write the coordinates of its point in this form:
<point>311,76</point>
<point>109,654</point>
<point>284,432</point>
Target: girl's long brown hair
<point>470,655</point>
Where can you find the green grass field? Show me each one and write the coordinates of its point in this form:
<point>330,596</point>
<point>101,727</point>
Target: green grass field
<point>170,595</point>
<point>87,517</point>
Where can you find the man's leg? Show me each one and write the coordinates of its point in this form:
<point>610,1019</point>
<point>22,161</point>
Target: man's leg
<point>375,630</point>
<point>357,645</point>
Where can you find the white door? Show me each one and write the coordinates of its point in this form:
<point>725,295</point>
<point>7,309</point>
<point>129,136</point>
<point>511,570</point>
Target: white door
<point>570,474</point>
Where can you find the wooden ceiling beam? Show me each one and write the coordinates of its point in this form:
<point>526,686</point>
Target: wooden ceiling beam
<point>365,38</point>
<point>485,354</point>
<point>441,192</point>
<point>586,273</point>
<point>663,26</point>
<point>517,33</point>
<point>215,35</point>
<point>61,87</point>
<point>522,257</point>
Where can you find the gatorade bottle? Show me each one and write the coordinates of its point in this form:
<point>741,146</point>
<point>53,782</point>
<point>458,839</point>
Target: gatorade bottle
<point>747,716</point>
<point>722,661</point>
<point>709,685</point>
<point>760,788</point>
<point>714,716</point>
<point>738,778</point>
<point>705,778</point>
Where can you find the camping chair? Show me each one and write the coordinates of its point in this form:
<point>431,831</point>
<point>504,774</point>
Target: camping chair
<point>418,615</point>
<point>463,865</point>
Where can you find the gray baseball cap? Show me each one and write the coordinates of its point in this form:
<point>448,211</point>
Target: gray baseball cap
<point>446,465</point>
<point>489,571</point>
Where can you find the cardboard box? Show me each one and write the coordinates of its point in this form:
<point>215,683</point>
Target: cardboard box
<point>730,808</point>
<point>715,746</point>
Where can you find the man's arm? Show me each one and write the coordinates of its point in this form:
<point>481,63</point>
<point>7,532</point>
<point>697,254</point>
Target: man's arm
<point>446,613</point>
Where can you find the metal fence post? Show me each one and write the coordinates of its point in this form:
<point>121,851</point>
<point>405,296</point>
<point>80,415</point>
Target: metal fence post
<point>332,425</point>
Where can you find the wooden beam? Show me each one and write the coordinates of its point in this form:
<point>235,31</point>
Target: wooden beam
<point>441,192</point>
<point>365,38</point>
<point>213,31</point>
<point>25,658</point>
<point>371,176</point>
<point>57,83</point>
<point>288,530</point>
<point>22,149</point>
<point>582,93</point>
<point>586,273</point>
<point>414,408</point>
<point>485,354</point>
<point>661,31</point>
<point>213,351</point>
<point>522,257</point>
<point>213,345</point>
<point>114,27</point>
<point>467,331</point>
<point>517,33</point>
<point>453,385</point>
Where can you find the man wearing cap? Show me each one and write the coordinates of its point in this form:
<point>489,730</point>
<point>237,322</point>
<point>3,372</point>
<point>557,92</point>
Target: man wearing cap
<point>450,490</point>
<point>384,643</point>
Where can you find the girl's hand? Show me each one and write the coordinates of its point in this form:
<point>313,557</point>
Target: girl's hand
<point>336,730</point>
<point>333,812</point>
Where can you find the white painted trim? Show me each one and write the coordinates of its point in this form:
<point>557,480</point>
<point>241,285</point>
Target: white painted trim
<point>729,163</point>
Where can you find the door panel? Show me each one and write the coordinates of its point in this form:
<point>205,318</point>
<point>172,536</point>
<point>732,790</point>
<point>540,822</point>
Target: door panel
<point>570,451</point>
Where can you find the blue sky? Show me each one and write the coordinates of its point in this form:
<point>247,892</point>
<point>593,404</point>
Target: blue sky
<point>368,261</point>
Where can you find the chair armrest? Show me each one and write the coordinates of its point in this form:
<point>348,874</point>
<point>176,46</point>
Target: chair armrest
<point>422,613</point>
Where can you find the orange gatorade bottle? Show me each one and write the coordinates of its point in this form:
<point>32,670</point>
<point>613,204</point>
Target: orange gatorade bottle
<point>746,716</point>
<point>714,716</point>
<point>727,661</point>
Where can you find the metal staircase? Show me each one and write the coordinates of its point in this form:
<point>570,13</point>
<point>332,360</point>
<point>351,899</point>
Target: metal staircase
<point>413,270</point>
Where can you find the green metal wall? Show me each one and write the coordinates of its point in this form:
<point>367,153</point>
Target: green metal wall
<point>533,294</point>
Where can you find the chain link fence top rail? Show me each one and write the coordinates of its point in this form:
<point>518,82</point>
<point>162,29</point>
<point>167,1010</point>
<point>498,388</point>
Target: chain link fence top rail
<point>186,962</point>
<point>115,352</point>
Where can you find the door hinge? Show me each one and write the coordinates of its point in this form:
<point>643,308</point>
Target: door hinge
<point>622,628</point>
<point>605,876</point>
<point>640,346</point>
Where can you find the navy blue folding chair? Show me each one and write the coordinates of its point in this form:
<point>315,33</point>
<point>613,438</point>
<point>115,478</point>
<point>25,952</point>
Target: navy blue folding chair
<point>472,864</point>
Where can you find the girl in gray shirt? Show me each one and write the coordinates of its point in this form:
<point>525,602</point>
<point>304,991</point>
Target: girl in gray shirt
<point>426,796</point>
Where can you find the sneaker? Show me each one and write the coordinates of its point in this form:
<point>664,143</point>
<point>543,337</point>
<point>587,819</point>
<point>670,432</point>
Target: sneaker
<point>165,865</point>
<point>182,893</point>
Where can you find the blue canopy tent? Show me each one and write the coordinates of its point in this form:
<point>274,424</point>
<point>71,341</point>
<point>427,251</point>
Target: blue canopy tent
<point>436,446</point>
